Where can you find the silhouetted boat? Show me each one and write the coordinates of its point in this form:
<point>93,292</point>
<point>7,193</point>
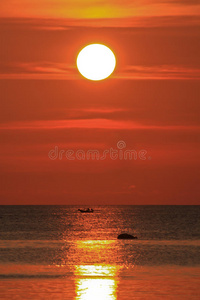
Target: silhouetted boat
<point>88,210</point>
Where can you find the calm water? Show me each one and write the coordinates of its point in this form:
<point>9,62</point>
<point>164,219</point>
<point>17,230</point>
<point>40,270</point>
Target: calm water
<point>55,252</point>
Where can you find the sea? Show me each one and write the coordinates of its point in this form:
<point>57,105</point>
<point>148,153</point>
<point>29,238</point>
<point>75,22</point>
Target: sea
<point>57,252</point>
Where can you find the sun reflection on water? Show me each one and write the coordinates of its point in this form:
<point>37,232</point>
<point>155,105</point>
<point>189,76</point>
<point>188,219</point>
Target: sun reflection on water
<point>95,272</point>
<point>96,282</point>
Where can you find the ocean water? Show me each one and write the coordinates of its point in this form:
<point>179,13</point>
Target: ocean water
<point>56,252</point>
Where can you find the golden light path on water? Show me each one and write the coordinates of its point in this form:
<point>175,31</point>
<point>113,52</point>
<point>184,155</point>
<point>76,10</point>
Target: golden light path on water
<point>96,282</point>
<point>90,263</point>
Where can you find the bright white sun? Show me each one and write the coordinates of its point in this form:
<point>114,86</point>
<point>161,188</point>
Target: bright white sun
<point>96,62</point>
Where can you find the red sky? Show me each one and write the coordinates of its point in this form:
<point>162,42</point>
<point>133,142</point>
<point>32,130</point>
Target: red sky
<point>151,102</point>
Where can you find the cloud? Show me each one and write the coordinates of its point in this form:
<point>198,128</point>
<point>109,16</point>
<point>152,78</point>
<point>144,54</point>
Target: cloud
<point>53,70</point>
<point>35,67</point>
<point>37,70</point>
<point>159,72</point>
<point>65,24</point>
<point>90,124</point>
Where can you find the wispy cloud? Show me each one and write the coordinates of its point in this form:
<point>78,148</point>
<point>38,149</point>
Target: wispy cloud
<point>159,72</point>
<point>96,113</point>
<point>50,70</point>
<point>39,70</point>
<point>123,22</point>
<point>90,124</point>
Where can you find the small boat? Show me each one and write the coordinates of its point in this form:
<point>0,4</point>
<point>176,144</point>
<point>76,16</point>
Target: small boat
<point>88,210</point>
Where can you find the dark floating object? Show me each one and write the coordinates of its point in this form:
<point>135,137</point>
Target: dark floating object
<point>88,210</point>
<point>126,236</point>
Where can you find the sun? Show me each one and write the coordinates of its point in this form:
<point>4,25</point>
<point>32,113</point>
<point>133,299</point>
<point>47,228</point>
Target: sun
<point>96,62</point>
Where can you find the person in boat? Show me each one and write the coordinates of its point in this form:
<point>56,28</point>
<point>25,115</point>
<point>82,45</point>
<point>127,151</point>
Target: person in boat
<point>86,210</point>
<point>89,209</point>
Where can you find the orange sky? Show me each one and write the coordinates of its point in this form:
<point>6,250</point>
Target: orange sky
<point>98,8</point>
<point>151,102</point>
